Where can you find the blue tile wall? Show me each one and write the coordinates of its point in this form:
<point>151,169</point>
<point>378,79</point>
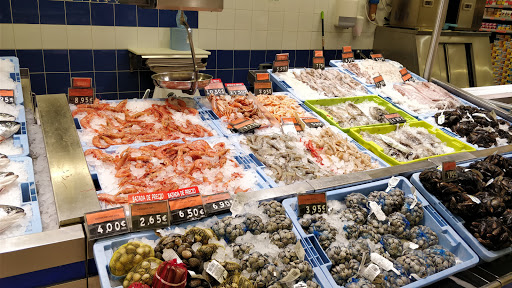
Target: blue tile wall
<point>25,11</point>
<point>105,60</point>
<point>78,13</point>
<point>5,12</point>
<point>126,15</point>
<point>52,12</point>
<point>54,82</point>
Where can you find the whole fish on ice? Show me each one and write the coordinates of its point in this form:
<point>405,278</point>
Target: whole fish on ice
<point>9,215</point>
<point>7,117</point>
<point>4,160</point>
<point>6,178</point>
<point>8,128</point>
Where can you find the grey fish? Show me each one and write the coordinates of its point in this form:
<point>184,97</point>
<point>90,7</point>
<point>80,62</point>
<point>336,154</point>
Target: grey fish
<point>7,117</point>
<point>6,178</point>
<point>4,160</point>
<point>9,215</point>
<point>378,114</point>
<point>8,128</point>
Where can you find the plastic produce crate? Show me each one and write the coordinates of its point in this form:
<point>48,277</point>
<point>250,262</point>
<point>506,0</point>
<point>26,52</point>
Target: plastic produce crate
<point>104,249</point>
<point>359,99</point>
<point>206,122</point>
<point>447,236</point>
<point>458,223</point>
<point>29,196</point>
<point>456,144</point>
<point>283,86</point>
<point>262,180</point>
<point>15,76</point>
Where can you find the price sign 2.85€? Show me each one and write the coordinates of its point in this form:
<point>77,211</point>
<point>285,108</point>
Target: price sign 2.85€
<point>315,203</point>
<point>145,216</point>
<point>106,223</point>
<point>186,209</point>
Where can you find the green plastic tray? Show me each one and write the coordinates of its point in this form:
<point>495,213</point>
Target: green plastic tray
<point>456,144</point>
<point>357,99</point>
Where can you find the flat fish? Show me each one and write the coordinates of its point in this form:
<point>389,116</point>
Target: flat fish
<point>7,117</point>
<point>6,178</point>
<point>9,215</point>
<point>4,160</point>
<point>8,128</point>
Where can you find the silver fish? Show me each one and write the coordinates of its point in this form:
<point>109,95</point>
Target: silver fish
<point>9,215</point>
<point>4,160</point>
<point>8,128</point>
<point>7,117</point>
<point>6,178</point>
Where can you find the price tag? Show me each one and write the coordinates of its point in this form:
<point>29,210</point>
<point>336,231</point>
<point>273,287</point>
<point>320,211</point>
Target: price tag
<point>147,216</point>
<point>287,123</point>
<point>215,88</point>
<point>157,196</point>
<point>315,203</point>
<point>106,223</point>
<point>282,57</point>
<point>379,81</point>
<point>80,82</point>
<point>7,95</point>
<point>312,122</point>
<point>319,63</point>
<point>236,89</point>
<point>395,118</point>
<point>377,57</point>
<point>347,56</point>
<point>263,88</point>
<point>262,77</point>
<point>406,76</point>
<point>448,171</point>
<point>404,71</point>
<point>217,203</point>
<point>186,209</point>
<point>243,125</point>
<point>280,66</point>
<point>80,95</point>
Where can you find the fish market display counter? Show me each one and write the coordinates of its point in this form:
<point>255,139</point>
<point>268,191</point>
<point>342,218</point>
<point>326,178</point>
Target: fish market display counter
<point>112,154</point>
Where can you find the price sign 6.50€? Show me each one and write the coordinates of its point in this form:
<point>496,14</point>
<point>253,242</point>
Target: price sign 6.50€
<point>186,209</point>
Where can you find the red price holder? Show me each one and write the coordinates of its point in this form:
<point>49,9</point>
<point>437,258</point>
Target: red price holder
<point>319,60</point>
<point>449,171</point>
<point>235,89</point>
<point>395,118</point>
<point>217,203</point>
<point>379,81</point>
<point>262,85</point>
<point>282,63</point>
<point>348,55</point>
<point>147,216</point>
<point>158,196</point>
<point>215,88</point>
<point>80,82</point>
<point>377,57</point>
<point>80,95</point>
<point>106,223</point>
<point>313,203</point>
<point>186,209</point>
<point>406,76</point>
<point>7,95</point>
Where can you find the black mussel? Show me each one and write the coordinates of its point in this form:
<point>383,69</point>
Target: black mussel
<point>465,128</point>
<point>491,233</point>
<point>431,178</point>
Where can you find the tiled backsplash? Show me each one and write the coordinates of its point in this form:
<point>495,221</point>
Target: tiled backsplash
<point>58,40</point>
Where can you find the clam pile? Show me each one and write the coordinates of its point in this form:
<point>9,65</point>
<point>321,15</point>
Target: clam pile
<point>481,195</point>
<point>350,237</point>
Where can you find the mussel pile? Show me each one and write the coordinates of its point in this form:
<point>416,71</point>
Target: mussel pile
<point>481,195</point>
<point>257,249</point>
<point>480,127</point>
<point>349,237</point>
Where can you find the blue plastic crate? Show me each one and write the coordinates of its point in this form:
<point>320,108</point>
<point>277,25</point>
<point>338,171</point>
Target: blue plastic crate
<point>29,195</point>
<point>282,85</point>
<point>206,122</point>
<point>447,236</point>
<point>105,248</point>
<point>458,223</point>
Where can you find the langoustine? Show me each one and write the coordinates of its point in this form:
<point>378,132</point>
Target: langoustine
<point>105,124</point>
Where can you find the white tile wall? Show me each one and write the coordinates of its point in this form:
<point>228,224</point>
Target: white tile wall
<point>103,37</point>
<point>54,36</point>
<point>225,39</point>
<point>243,19</point>
<point>27,36</point>
<point>126,37</point>
<point>7,36</point>
<point>243,39</point>
<point>79,37</point>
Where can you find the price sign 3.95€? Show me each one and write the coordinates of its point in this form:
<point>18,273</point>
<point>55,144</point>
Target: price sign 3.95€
<point>315,203</point>
<point>186,209</point>
<point>152,215</point>
<point>106,223</point>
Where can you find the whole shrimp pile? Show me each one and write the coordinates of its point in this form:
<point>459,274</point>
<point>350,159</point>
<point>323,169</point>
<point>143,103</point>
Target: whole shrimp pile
<point>281,106</point>
<point>231,108</point>
<point>117,125</point>
<point>335,153</point>
<point>168,167</point>
<point>285,157</point>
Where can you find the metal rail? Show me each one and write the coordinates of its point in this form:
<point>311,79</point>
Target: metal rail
<point>434,43</point>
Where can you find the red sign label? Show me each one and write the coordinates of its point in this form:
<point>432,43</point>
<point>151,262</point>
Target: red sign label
<point>403,71</point>
<point>78,92</point>
<point>6,93</point>
<point>157,196</point>
<point>105,216</point>
<point>282,57</point>
<point>347,49</point>
<point>347,55</point>
<point>406,77</point>
<point>447,166</point>
<point>319,53</point>
<point>262,77</point>
<point>77,82</point>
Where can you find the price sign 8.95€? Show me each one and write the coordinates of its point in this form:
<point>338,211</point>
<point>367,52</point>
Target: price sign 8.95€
<point>106,223</point>
<point>152,215</point>
<point>186,209</point>
<point>314,203</point>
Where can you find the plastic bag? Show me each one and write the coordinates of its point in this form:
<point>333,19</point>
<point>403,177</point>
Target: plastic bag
<point>170,274</point>
<point>128,256</point>
<point>143,272</point>
<point>415,214</point>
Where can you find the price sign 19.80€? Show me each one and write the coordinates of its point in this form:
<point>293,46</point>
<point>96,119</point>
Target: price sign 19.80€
<point>151,215</point>
<point>314,203</point>
<point>106,223</point>
<point>186,209</point>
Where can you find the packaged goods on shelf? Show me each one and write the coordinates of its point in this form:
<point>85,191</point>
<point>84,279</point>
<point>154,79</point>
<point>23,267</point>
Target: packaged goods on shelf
<point>107,123</point>
<point>476,203</point>
<point>501,59</point>
<point>258,248</point>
